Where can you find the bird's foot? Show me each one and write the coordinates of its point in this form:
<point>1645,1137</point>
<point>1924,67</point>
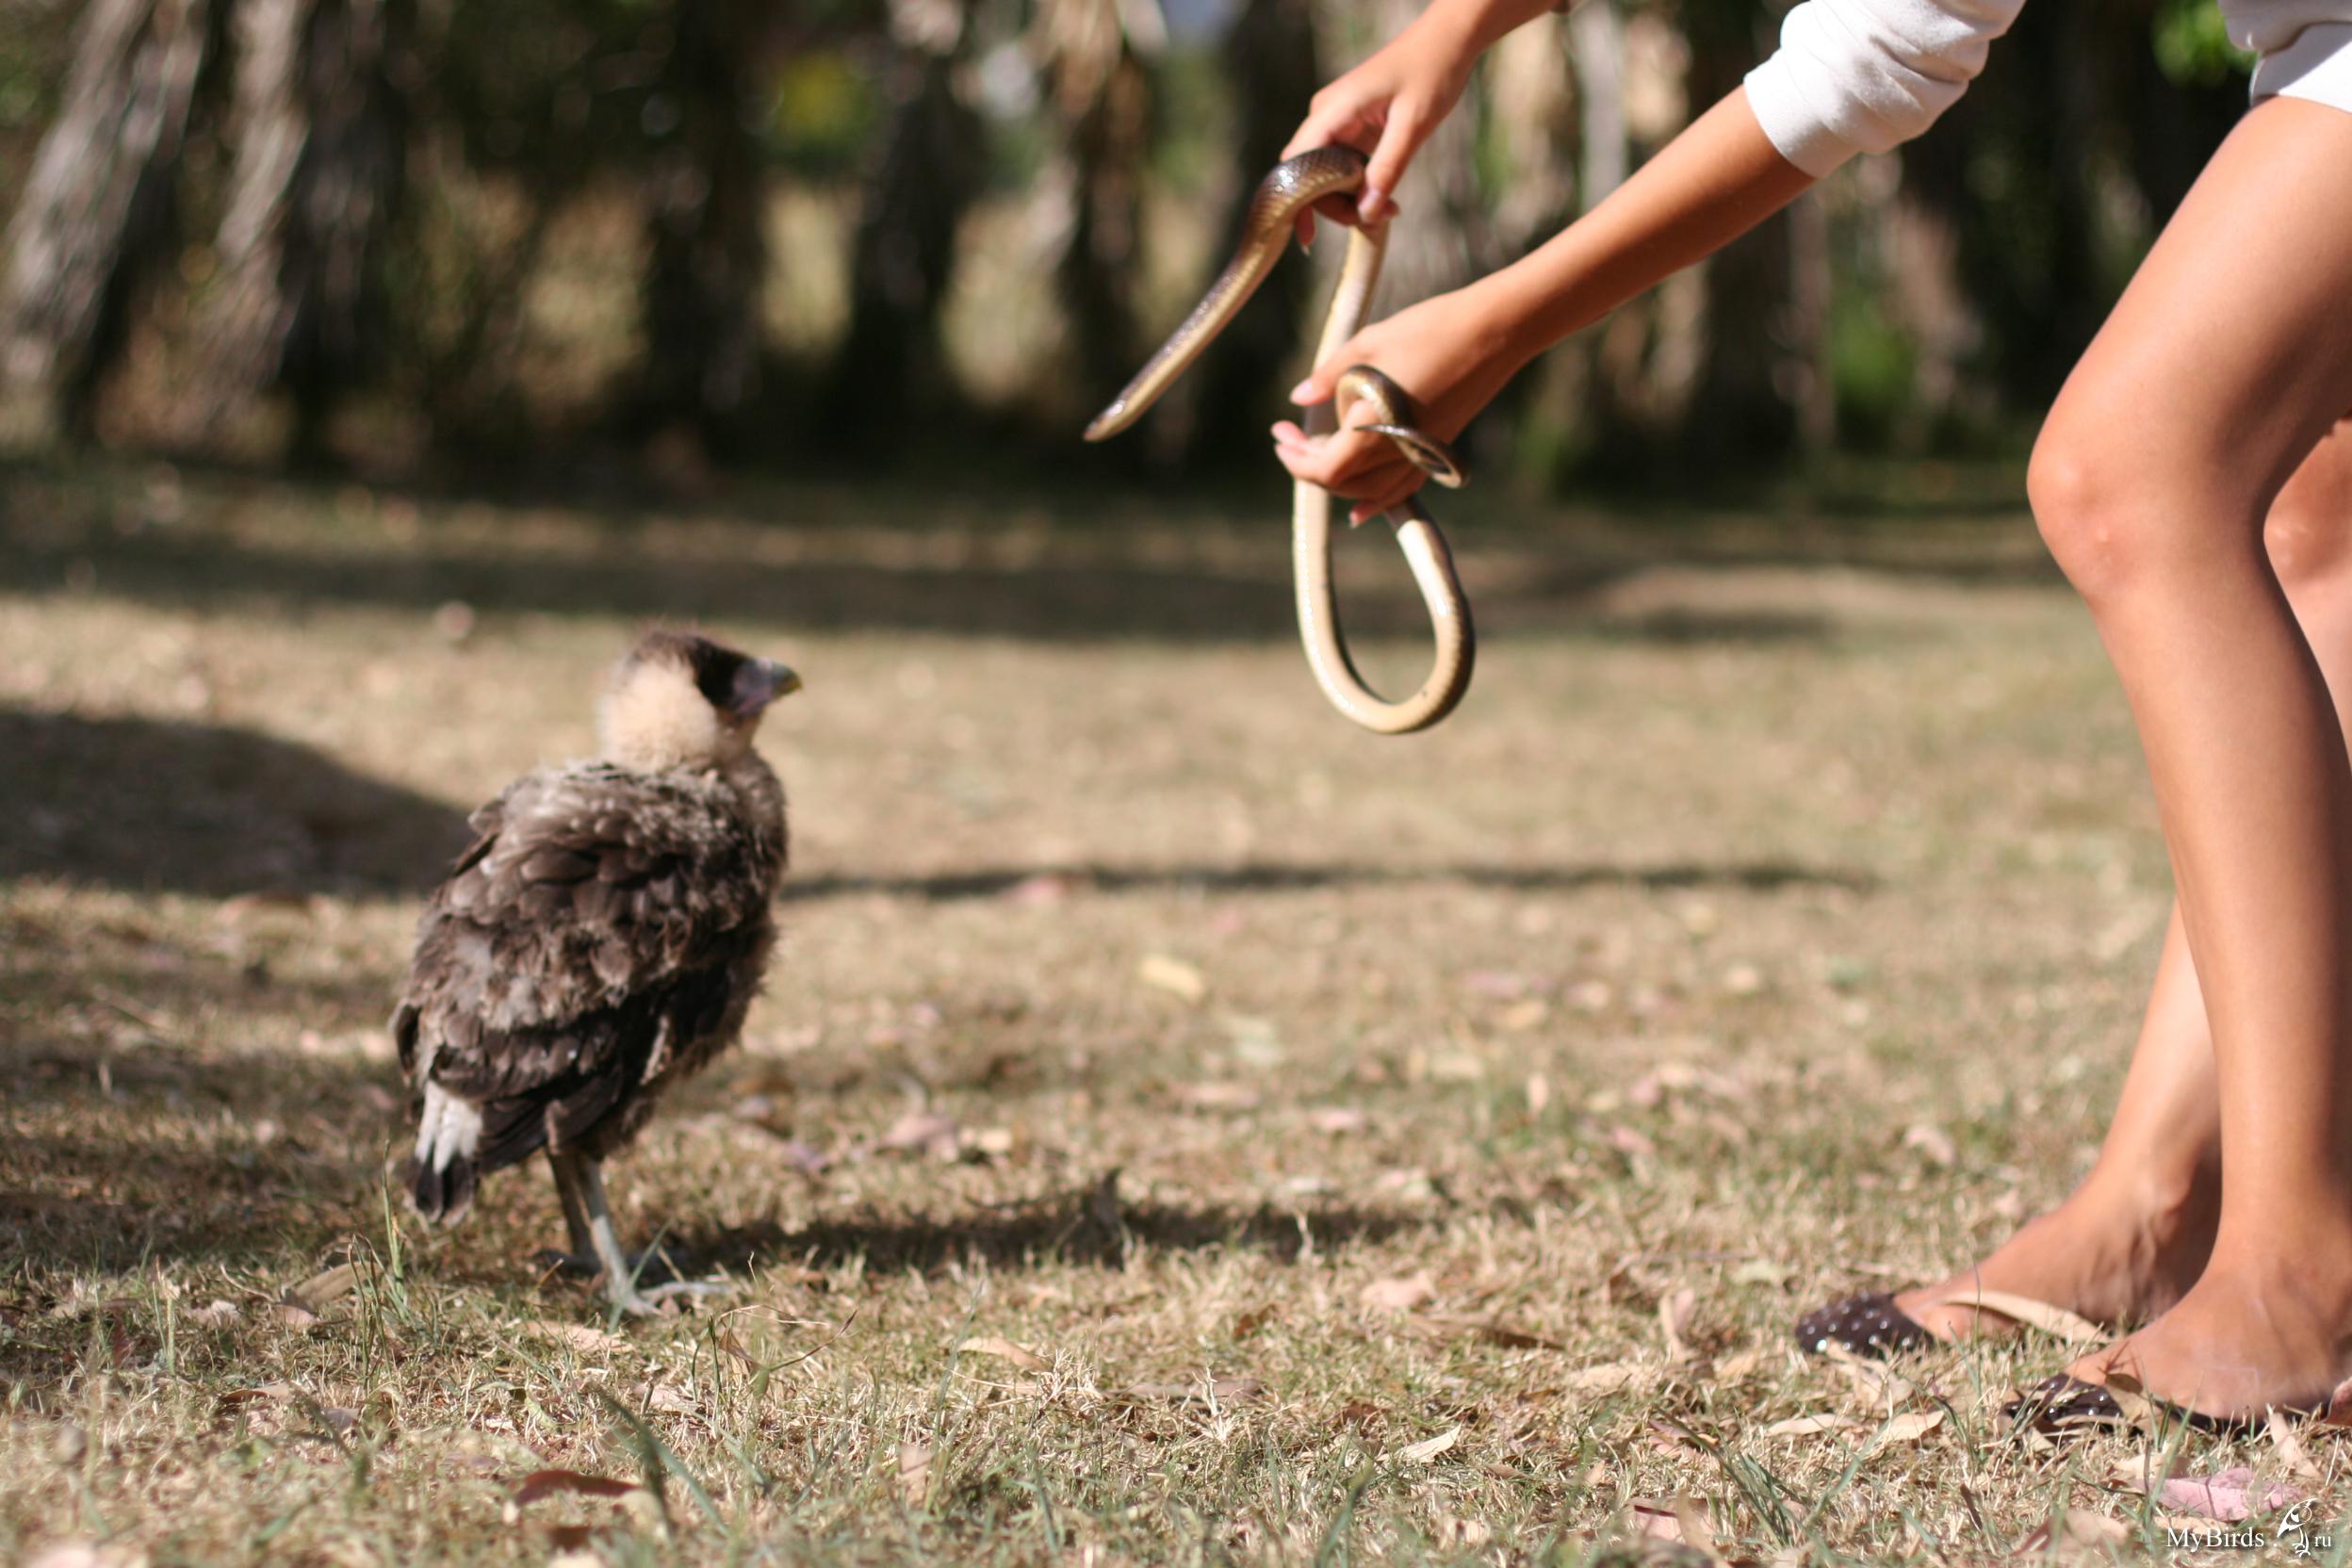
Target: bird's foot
<point>661,1301</point>
<point>630,1293</point>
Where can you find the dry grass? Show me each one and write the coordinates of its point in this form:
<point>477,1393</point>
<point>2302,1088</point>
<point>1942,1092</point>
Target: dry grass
<point>1338,1124</point>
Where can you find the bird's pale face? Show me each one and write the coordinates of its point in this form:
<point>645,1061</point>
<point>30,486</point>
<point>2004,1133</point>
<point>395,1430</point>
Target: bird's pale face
<point>681,700</point>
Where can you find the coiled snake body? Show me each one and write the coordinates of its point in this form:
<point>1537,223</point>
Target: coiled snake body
<point>1294,185</point>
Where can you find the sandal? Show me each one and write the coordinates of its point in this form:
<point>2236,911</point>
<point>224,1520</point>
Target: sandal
<point>1864,1324</point>
<point>1868,1325</point>
<point>2066,1406</point>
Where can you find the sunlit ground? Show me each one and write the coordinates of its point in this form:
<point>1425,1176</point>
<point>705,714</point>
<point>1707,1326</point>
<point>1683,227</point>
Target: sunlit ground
<point>1319,1146</point>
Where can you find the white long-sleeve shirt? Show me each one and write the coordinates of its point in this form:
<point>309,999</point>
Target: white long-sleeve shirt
<point>1861,76</point>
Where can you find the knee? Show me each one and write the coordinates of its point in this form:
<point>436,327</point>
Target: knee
<point>2086,504</point>
<point>2120,513</point>
<point>2309,532</point>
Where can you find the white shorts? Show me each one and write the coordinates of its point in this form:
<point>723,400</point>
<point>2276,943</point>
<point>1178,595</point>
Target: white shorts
<point>2316,66</point>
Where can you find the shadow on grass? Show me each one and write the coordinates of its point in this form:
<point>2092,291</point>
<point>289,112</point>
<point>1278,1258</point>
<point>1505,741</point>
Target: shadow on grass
<point>147,804</point>
<point>1042,600</point>
<point>1088,1227</point>
<point>999,881</point>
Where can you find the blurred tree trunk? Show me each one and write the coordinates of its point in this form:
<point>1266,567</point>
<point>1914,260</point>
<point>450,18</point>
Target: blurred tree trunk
<point>320,129</point>
<point>1741,411</point>
<point>1273,67</point>
<point>97,210</point>
<point>1441,239</point>
<point>705,193</point>
<point>1096,54</point>
<point>930,161</point>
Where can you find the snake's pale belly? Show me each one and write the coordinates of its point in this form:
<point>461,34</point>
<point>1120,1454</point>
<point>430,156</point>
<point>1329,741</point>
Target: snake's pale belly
<point>1294,185</point>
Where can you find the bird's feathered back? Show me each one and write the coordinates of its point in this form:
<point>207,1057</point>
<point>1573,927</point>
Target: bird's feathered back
<point>604,935</point>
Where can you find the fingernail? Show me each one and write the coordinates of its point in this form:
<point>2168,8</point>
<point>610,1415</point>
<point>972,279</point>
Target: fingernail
<point>1301,392</point>
<point>1368,209</point>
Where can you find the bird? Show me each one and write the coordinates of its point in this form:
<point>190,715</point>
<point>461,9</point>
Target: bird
<point>599,941</point>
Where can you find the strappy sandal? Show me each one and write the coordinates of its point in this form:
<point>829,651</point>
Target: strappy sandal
<point>2062,1405</point>
<point>1867,1325</point>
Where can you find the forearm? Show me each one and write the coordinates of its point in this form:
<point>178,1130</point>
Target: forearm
<point>1476,26</point>
<point>1717,180</point>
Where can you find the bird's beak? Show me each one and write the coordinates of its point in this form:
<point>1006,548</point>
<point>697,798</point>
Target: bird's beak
<point>759,683</point>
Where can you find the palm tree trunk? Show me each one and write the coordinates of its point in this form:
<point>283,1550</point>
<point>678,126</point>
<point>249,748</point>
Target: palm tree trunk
<point>704,191</point>
<point>891,366</point>
<point>97,210</point>
<point>320,135</point>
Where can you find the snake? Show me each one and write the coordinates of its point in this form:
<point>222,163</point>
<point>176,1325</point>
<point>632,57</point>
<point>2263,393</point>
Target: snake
<point>1295,185</point>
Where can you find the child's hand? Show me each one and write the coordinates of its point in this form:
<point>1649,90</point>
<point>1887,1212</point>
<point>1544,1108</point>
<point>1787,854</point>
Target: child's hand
<point>1451,354</point>
<point>1386,108</point>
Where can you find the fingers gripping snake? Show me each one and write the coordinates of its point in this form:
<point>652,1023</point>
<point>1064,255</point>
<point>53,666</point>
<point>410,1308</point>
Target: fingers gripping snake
<point>1294,185</point>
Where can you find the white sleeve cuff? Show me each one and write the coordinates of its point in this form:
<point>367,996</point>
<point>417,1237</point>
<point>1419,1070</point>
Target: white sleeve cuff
<point>1798,132</point>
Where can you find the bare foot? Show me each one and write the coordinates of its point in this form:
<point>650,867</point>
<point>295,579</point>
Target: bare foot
<point>2273,1334</point>
<point>2112,1259</point>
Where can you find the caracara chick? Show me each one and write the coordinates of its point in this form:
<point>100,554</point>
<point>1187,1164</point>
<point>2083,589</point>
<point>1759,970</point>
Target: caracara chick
<point>600,940</point>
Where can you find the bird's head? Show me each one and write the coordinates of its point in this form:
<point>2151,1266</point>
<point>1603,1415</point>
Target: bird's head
<point>678,699</point>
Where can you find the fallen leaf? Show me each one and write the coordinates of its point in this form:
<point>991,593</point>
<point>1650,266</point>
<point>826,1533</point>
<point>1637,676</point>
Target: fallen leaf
<point>925,1131</point>
<point>2074,1527</point>
<point>216,1315</point>
<point>260,1394</point>
<point>1933,1142</point>
<point>1004,1349</point>
<point>1520,1017</point>
<point>670,1400</point>
<point>1608,1377</point>
<point>1429,1448</point>
<point>296,1315</point>
<point>1399,1295</point>
<point>1870,1378</point>
<point>1627,1141</point>
<point>1810,1425</point>
<point>579,1336</point>
<point>1675,1312</point>
<point>2227,1496</point>
<point>319,1289</point>
<point>1221,1390</point>
<point>2055,1321</point>
<point>1459,1531</point>
<point>914,1471</point>
<point>1487,1331</point>
<point>1497,982</point>
<point>1164,972</point>
<point>1908,1428</point>
<point>1734,1367</point>
<point>2292,1453</point>
<point>1218,1097</point>
<point>547,1483</point>
<point>86,1554</point>
<point>1680,1517</point>
<point>1337,1118</point>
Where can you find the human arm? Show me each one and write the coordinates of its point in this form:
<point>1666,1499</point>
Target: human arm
<point>1387,106</point>
<point>1711,184</point>
<point>1850,76</point>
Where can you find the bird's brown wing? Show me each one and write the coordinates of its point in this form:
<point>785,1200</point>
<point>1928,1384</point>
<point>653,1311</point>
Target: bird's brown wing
<point>600,921</point>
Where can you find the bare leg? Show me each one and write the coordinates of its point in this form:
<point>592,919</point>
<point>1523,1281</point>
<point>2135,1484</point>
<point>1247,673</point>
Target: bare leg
<point>2135,1235</point>
<point>2225,364</point>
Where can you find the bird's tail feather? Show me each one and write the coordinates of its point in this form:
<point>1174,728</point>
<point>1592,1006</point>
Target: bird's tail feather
<point>441,1173</point>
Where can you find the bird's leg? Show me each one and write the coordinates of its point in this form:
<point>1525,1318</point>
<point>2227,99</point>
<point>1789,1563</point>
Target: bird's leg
<point>597,1245</point>
<point>568,1186</point>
